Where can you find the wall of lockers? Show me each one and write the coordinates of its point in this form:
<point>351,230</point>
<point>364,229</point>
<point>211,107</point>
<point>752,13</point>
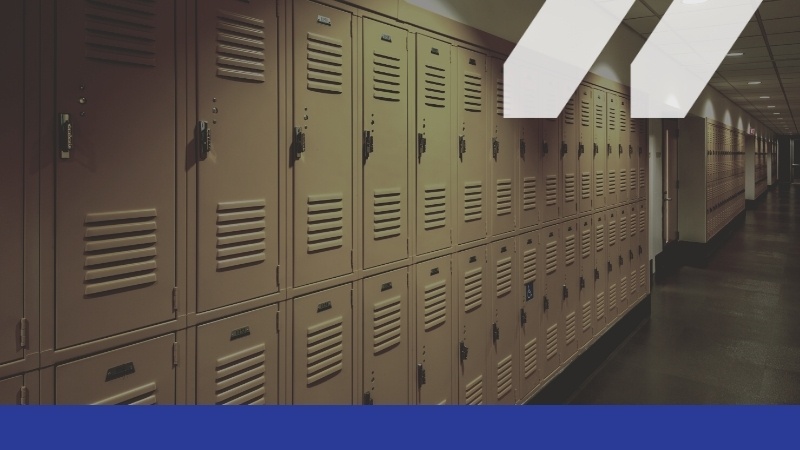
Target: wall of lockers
<point>294,202</point>
<point>760,162</point>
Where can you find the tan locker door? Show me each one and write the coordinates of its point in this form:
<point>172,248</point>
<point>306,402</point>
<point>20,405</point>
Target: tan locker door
<point>386,339</point>
<point>633,255</point>
<point>624,150</point>
<point>529,260</point>
<point>644,164</point>
<point>115,188</point>
<point>552,247</point>
<point>323,348</point>
<point>623,262</point>
<point>569,157</point>
<point>10,390</point>
<point>384,143</point>
<point>473,278</point>
<point>585,282</point>
<point>600,277</point>
<point>139,374</point>
<point>435,348</point>
<point>644,251</point>
<point>237,225</point>
<point>505,144</point>
<point>550,157</point>
<point>586,154</point>
<point>11,181</point>
<point>473,145</point>
<point>599,148</point>
<point>530,172</point>
<point>503,370</point>
<point>323,143</point>
<point>237,359</point>
<point>633,163</point>
<point>569,326</point>
<point>435,145</point>
<point>612,267</point>
<point>612,148</point>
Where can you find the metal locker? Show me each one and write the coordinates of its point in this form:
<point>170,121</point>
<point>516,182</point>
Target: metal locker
<point>505,138</point>
<point>139,374</point>
<point>612,264</point>
<point>434,145</point>
<point>633,163</point>
<point>12,183</point>
<point>435,349</point>
<point>599,148</point>
<point>530,314</point>
<point>386,339</point>
<point>612,147</point>
<point>552,295</point>
<point>115,168</point>
<point>569,156</point>
<point>385,143</point>
<point>624,150</point>
<point>323,347</point>
<point>237,168</point>
<point>585,282</point>
<point>550,157</point>
<point>322,146</point>
<point>473,145</point>
<point>600,277</point>
<point>623,260</point>
<point>237,359</point>
<point>644,162</point>
<point>474,328</point>
<point>503,370</point>
<point>570,320</point>
<point>529,172</point>
<point>633,254</point>
<point>11,390</point>
<point>644,252</point>
<point>585,148</point>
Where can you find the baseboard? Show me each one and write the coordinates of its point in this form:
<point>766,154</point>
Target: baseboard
<point>668,261</point>
<point>694,254</point>
<point>753,204</point>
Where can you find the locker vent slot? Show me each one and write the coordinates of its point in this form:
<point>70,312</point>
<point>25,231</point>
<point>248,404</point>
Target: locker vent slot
<point>435,305</point>
<point>551,258</point>
<point>552,342</point>
<point>325,222</point>
<point>623,228</point>
<point>500,97</point>
<point>600,238</point>
<point>120,250</point>
<point>600,305</point>
<point>586,243</point>
<point>612,296</point>
<point>642,223</point>
<point>612,182</point>
<point>586,316</point>
<point>121,32</point>
<point>569,250</point>
<point>388,213</point>
<point>612,117</point>
<point>643,276</point>
<point>386,77</point>
<point>142,395</point>
<point>504,188</point>
<point>623,288</point>
<point>435,82</point>
<point>530,358</point>
<point>641,181</point>
<point>633,281</point>
<point>325,64</point>
<point>240,47</point>
<point>387,327</point>
<point>551,190</point>
<point>324,345</point>
<point>569,112</point>
<point>241,234</point>
<point>504,377</point>
<point>569,188</point>
<point>599,117</point>
<point>529,193</point>
<point>634,123</point>
<point>473,201</point>
<point>623,180</point>
<point>435,207</point>
<point>473,92</point>
<point>632,179</point>
<point>612,233</point>
<point>571,328</point>
<point>503,277</point>
<point>473,289</point>
<point>586,112</point>
<point>586,185</point>
<point>599,183</point>
<point>529,266</point>
<point>623,121</point>
<point>241,377</point>
<point>474,391</point>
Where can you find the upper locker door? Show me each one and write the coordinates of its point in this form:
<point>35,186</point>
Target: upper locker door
<point>237,226</point>
<point>569,322</point>
<point>503,371</point>
<point>585,145</point>
<point>612,267</point>
<point>385,143</point>
<point>612,148</point>
<point>435,350</point>
<point>586,281</point>
<point>633,163</point>
<point>473,145</point>
<point>323,143</point>
<point>569,156</point>
<point>11,181</point>
<point>529,172</point>
<point>624,149</point>
<point>473,326</point>
<point>623,262</point>
<point>600,277</point>
<point>505,141</point>
<point>644,168</point>
<point>552,246</point>
<point>530,313</point>
<point>599,147</point>
<point>550,157</point>
<point>435,144</point>
<point>115,167</point>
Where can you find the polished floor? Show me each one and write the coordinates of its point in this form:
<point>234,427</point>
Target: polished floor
<point>728,333</point>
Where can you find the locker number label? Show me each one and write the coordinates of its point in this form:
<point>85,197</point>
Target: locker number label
<point>120,371</point>
<point>240,333</point>
<point>324,306</point>
<point>324,20</point>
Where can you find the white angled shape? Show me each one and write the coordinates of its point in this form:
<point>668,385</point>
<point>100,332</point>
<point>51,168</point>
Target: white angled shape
<point>680,57</point>
<point>556,52</point>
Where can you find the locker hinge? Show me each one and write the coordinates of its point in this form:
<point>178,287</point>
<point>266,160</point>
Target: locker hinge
<point>369,145</point>
<point>462,146</point>
<point>351,27</point>
<point>175,299</point>
<point>277,321</point>
<point>351,298</point>
<point>422,145</point>
<point>23,333</point>
<point>421,378</point>
<point>351,259</point>
<point>368,398</point>
<point>583,283</point>
<point>463,350</point>
<point>522,148</point>
<point>175,353</point>
<point>278,275</point>
<point>451,237</point>
<point>495,332</point>
<point>523,317</point>
<point>495,148</point>
<point>23,395</point>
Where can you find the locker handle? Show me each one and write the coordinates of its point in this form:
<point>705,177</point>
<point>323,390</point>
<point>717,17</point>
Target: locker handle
<point>630,149</point>
<point>422,145</point>
<point>565,291</point>
<point>583,283</point>
<point>596,274</point>
<point>299,142</point>
<point>581,149</point>
<point>564,148</point>
<point>523,317</point>
<point>640,149</point>
<point>610,266</point>
<point>463,350</point>
<point>495,148</point>
<point>620,149</point>
<point>522,146</point>
<point>631,255</point>
<point>608,148</point>
<point>545,147</point>
<point>596,148</point>
<point>369,145</point>
<point>546,303</point>
<point>368,399</point>
<point>495,332</point>
<point>65,135</point>
<point>621,260</point>
<point>204,145</point>
<point>421,376</point>
<point>640,249</point>
<point>462,146</point>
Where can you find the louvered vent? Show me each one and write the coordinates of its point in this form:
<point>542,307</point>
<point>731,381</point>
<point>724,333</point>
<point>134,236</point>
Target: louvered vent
<point>600,305</point>
<point>529,265</point>
<point>121,32</point>
<point>500,96</point>
<point>612,296</point>
<point>641,179</point>
<point>529,193</point>
<point>325,222</point>
<point>473,289</point>
<point>435,206</point>
<point>551,190</point>
<point>623,228</point>
<point>241,377</point>
<point>388,213</point>
<point>599,183</point>
<point>634,124</point>
<point>435,86</point>
<point>599,116</point>
<point>142,395</point>
<point>569,250</point>
<point>586,243</point>
<point>504,190</point>
<point>324,345</point>
<point>612,116</point>
<point>571,328</point>
<point>503,277</point>
<point>586,111</point>
<point>120,250</point>
<point>612,182</point>
<point>623,288</point>
<point>643,276</point>
<point>530,358</point>
<point>240,47</point>
<point>632,180</point>
<point>241,234</point>
<point>642,222</point>
<point>633,281</point>
<point>551,257</point>
<point>552,342</point>
<point>569,188</point>
<point>435,305</point>
<point>386,323</point>
<point>386,76</point>
<point>325,64</point>
<point>600,238</point>
<point>586,316</point>
<point>474,391</point>
<point>623,180</point>
<point>586,185</point>
<point>569,112</point>
<point>623,119</point>
<point>612,233</point>
<point>504,377</point>
<point>473,92</point>
<point>473,201</point>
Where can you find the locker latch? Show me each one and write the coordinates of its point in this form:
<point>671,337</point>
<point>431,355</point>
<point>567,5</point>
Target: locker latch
<point>581,149</point>
<point>523,317</point>
<point>65,137</point>
<point>621,260</point>
<point>368,398</point>
<point>631,255</point>
<point>583,283</point>
<point>299,142</point>
<point>203,139</point>
<point>610,266</point>
<point>565,291</point>
<point>463,350</point>
<point>495,332</point>
<point>640,249</point>
<point>596,274</point>
<point>422,145</point>
<point>596,148</point>
<point>421,379</point>
<point>495,148</point>
<point>546,303</point>
<point>564,148</point>
<point>462,146</point>
<point>369,145</point>
<point>630,150</point>
<point>608,149</point>
<point>620,149</point>
<point>522,148</point>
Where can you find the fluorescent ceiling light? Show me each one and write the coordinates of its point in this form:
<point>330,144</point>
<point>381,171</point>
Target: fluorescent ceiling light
<point>771,106</point>
<point>735,54</point>
<point>765,96</point>
<point>753,82</point>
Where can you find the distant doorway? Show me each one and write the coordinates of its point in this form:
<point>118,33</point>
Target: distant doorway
<point>670,182</point>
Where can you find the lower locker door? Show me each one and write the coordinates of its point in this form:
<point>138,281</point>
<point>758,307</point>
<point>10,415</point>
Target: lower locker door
<point>623,261</point>
<point>569,326</point>
<point>644,254</point>
<point>474,328</point>
<point>503,367</point>
<point>237,359</point>
<point>435,349</point>
<point>323,348</point>
<point>386,339</point>
<point>139,374</point>
<point>11,390</point>
<point>529,346</point>
<point>633,255</point>
<point>585,282</point>
<point>600,277</point>
<point>612,265</point>
<point>551,298</point>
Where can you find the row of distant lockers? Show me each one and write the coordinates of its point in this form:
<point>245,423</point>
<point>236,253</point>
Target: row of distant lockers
<point>417,183</point>
<point>487,325</point>
<point>725,176</point>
